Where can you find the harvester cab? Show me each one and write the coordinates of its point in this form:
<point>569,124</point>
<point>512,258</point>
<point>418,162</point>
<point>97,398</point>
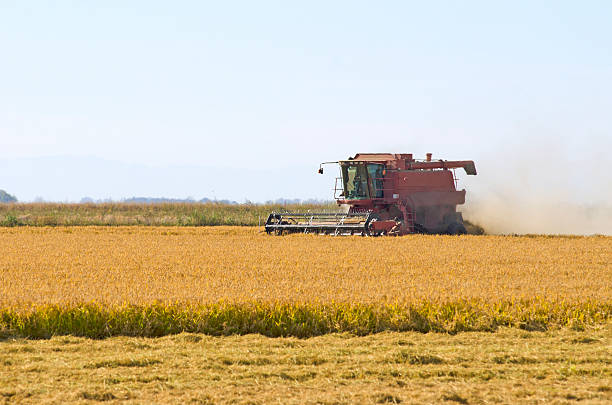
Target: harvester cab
<point>386,194</point>
<point>361,180</point>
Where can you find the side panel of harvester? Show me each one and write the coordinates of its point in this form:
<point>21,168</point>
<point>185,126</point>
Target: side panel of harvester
<point>431,196</point>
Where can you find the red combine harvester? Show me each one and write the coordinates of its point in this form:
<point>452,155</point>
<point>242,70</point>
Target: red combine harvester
<point>386,194</point>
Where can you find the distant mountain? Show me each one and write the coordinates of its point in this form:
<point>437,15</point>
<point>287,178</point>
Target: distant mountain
<point>6,197</point>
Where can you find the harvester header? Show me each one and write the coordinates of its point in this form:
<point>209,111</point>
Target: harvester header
<point>387,194</point>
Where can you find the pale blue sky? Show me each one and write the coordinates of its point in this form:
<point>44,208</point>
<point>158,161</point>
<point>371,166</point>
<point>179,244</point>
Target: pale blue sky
<point>523,88</point>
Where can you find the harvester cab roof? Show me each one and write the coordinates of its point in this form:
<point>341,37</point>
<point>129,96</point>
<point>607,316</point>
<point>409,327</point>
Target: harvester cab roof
<point>387,193</point>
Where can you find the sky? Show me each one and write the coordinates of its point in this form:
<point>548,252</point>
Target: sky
<point>243,100</point>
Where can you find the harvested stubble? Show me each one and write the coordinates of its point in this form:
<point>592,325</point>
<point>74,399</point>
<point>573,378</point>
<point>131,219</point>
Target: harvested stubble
<point>96,281</point>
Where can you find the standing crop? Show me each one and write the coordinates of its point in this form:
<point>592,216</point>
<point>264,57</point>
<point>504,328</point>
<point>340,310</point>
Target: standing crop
<point>133,280</point>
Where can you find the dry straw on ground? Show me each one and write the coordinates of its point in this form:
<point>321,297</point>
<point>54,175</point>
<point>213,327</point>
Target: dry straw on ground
<point>507,367</point>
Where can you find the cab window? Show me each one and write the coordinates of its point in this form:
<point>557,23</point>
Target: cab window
<point>375,171</point>
<point>355,179</point>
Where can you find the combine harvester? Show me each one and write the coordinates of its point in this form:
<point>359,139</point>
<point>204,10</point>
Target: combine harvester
<point>386,194</point>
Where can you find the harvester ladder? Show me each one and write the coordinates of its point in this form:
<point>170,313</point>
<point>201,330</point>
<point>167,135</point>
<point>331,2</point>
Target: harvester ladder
<point>410,221</point>
<point>409,215</point>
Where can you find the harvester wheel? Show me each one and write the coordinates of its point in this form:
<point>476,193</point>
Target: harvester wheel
<point>418,228</point>
<point>456,228</point>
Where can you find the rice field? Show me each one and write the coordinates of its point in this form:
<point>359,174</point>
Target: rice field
<point>153,281</point>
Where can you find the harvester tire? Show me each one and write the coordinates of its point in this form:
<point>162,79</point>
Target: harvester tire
<point>456,228</point>
<point>418,228</point>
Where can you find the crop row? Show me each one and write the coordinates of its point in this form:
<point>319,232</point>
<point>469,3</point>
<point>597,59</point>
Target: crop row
<point>300,320</point>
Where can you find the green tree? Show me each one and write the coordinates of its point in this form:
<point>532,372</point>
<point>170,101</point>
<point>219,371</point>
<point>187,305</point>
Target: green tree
<point>6,197</point>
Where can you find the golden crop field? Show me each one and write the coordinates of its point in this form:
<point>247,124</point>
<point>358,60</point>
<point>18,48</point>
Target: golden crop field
<point>204,279</point>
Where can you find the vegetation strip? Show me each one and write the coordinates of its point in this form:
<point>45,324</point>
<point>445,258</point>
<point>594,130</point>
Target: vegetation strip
<point>156,214</point>
<point>300,320</point>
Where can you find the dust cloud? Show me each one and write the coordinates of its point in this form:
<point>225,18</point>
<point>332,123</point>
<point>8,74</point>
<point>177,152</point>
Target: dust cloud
<point>542,188</point>
<point>500,215</point>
